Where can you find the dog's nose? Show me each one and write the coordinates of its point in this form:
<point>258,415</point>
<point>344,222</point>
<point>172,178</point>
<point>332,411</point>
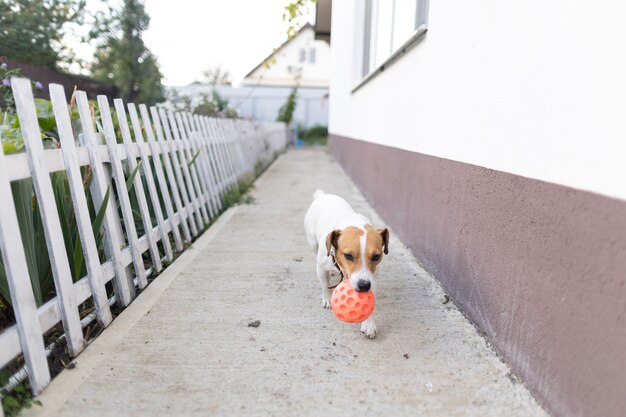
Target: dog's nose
<point>363,286</point>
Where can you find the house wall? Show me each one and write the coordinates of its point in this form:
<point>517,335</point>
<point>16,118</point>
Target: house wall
<point>281,72</point>
<point>495,149</point>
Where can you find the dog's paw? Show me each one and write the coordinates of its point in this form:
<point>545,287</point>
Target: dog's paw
<point>325,302</point>
<point>368,328</point>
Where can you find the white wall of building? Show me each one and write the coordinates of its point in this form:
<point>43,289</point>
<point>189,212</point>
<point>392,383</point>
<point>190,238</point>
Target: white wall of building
<point>288,63</point>
<point>533,88</point>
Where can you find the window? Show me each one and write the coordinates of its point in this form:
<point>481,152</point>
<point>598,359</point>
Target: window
<point>312,55</point>
<point>390,26</point>
<point>302,55</point>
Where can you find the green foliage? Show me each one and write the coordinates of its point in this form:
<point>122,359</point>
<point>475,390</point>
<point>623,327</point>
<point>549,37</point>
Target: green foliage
<point>316,135</point>
<point>123,59</point>
<point>6,94</point>
<point>206,106</point>
<point>33,31</point>
<point>179,102</point>
<point>285,113</point>
<point>294,11</point>
<point>314,131</point>
<point>212,105</point>
<point>19,397</point>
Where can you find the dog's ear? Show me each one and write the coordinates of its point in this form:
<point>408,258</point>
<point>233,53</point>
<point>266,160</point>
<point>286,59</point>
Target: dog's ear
<point>331,240</point>
<point>384,234</point>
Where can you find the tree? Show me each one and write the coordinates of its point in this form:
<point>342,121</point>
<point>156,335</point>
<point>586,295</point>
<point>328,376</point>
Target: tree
<point>33,31</point>
<point>178,102</point>
<point>123,59</point>
<point>217,76</point>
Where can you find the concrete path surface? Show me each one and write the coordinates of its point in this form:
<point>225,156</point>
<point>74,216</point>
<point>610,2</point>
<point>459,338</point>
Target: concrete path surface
<point>184,347</point>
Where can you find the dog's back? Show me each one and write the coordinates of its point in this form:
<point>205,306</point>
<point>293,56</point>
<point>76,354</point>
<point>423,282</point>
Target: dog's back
<point>327,212</point>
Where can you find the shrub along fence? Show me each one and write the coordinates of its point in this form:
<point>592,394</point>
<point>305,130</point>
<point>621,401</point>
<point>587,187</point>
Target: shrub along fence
<point>118,195</point>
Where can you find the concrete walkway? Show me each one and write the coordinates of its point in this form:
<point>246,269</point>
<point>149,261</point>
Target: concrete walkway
<point>184,347</point>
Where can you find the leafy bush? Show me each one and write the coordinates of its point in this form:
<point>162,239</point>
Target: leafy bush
<point>315,131</point>
<point>316,135</point>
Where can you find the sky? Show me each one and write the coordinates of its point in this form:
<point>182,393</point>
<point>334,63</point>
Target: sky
<point>189,36</point>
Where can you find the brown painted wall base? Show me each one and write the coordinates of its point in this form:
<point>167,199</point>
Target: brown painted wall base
<point>540,268</point>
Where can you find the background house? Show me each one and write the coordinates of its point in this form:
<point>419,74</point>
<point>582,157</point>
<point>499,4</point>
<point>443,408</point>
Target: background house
<point>491,137</point>
<point>302,60</point>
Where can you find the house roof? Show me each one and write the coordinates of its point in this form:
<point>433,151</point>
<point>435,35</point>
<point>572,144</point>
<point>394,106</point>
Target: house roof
<point>323,16</point>
<point>277,50</point>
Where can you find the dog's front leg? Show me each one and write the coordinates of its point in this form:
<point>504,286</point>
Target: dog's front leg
<point>322,274</point>
<point>368,327</point>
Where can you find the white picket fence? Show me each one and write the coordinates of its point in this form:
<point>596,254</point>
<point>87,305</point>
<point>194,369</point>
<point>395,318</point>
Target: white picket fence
<point>192,159</point>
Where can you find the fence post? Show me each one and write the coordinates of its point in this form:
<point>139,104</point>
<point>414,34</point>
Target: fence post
<point>79,201</point>
<point>61,272</point>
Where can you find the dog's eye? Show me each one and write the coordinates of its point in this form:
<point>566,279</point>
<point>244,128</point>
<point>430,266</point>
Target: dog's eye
<point>375,258</point>
<point>349,257</point>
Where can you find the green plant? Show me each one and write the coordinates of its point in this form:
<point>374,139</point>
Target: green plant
<point>315,131</point>
<point>29,218</point>
<point>17,398</point>
<point>285,113</point>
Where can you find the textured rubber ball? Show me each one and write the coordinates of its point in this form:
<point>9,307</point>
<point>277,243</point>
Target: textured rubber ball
<point>351,306</point>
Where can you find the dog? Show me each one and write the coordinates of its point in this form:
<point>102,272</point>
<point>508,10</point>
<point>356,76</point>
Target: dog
<point>345,240</point>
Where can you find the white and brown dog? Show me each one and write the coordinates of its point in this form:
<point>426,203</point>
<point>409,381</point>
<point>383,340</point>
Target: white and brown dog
<point>341,235</point>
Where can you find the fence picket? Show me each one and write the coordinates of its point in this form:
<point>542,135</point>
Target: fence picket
<point>100,188</point>
<point>181,210</point>
<point>211,161</point>
<point>22,298</point>
<point>79,201</point>
<point>61,272</point>
<point>215,146</point>
<point>224,146</point>
<point>194,137</point>
<point>131,158</point>
<point>184,182</point>
<point>152,190</point>
<point>120,183</point>
<point>184,166</point>
<point>158,167</point>
<point>180,134</point>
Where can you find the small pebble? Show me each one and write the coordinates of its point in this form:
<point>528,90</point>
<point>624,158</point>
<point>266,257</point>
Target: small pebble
<point>406,356</point>
<point>255,323</point>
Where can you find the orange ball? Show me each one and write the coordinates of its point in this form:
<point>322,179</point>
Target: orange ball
<point>351,306</point>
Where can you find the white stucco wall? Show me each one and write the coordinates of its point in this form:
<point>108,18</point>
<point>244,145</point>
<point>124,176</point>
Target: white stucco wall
<point>280,73</point>
<point>532,88</point>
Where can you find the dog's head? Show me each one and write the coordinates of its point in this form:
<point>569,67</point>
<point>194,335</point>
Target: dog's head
<point>358,252</point>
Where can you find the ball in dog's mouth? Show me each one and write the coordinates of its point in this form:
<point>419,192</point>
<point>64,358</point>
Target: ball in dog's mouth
<point>350,305</point>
